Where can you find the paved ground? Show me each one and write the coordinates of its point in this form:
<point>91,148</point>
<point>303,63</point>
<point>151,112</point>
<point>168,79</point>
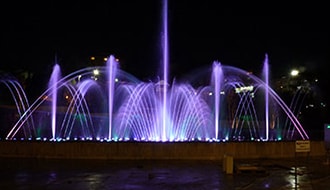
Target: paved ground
<point>312,173</point>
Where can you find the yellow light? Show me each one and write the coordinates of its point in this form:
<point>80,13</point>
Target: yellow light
<point>92,58</point>
<point>294,72</point>
<point>105,59</point>
<point>96,72</point>
<point>244,89</point>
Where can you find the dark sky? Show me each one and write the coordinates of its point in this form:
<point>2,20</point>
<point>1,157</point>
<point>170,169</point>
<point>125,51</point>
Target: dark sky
<point>293,35</point>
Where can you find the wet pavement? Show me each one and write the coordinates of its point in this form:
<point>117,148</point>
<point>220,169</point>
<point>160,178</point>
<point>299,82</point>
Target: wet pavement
<point>300,173</point>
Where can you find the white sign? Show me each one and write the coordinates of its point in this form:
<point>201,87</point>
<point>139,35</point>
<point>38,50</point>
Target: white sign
<point>303,146</point>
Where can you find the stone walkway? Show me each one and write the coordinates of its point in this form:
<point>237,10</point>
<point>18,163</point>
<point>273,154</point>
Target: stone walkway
<point>302,173</point>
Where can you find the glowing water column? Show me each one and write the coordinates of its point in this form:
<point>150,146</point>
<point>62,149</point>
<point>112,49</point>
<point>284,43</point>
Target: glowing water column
<point>217,78</point>
<point>165,68</point>
<point>53,85</point>
<point>111,72</point>
<point>266,75</point>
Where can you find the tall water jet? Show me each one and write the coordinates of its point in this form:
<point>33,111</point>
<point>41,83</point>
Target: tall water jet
<point>266,78</point>
<point>53,86</point>
<point>165,69</point>
<point>111,72</point>
<point>217,76</point>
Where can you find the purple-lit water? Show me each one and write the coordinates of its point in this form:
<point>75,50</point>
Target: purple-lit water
<point>108,104</point>
<point>20,99</point>
<point>112,69</point>
<point>234,98</point>
<point>165,68</point>
<point>140,117</point>
<point>53,82</point>
<point>266,77</point>
<point>217,77</point>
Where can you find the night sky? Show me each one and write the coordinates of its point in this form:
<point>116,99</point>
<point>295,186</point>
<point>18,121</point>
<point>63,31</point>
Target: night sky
<point>200,32</point>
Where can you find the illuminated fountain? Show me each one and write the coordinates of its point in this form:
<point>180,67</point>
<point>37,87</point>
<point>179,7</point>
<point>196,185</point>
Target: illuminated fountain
<point>106,103</point>
<point>232,106</point>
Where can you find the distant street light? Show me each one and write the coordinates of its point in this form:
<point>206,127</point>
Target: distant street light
<point>96,72</point>
<point>294,72</point>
